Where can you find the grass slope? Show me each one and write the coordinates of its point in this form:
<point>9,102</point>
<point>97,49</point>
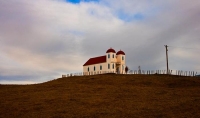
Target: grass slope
<point>104,96</point>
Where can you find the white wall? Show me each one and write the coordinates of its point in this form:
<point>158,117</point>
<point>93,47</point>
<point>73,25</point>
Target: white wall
<point>97,68</point>
<point>111,59</point>
<point>122,63</point>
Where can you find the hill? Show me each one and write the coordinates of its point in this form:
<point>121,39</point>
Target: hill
<point>104,96</point>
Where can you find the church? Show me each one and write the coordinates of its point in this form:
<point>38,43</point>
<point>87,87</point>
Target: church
<point>112,62</point>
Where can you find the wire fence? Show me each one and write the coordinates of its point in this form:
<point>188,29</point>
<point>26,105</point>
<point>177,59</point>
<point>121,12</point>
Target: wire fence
<point>144,72</point>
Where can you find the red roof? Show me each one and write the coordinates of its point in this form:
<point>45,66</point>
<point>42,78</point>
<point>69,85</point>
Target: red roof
<point>120,52</point>
<point>95,60</point>
<point>110,50</point>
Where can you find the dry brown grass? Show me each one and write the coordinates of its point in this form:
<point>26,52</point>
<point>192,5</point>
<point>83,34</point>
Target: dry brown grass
<point>104,96</point>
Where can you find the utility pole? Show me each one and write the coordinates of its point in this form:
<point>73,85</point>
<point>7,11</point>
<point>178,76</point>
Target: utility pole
<point>167,58</point>
<point>139,70</point>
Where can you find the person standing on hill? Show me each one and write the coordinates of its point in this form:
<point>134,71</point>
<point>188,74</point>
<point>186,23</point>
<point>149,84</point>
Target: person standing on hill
<point>126,69</point>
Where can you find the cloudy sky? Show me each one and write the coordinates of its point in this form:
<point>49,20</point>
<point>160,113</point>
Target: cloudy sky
<point>42,39</point>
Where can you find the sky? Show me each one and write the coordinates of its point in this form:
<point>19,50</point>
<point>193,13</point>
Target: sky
<point>42,39</point>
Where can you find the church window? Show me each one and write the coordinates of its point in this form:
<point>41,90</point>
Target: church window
<point>113,66</point>
<point>108,55</point>
<point>94,68</point>
<point>100,67</point>
<point>88,69</point>
<point>122,57</point>
<point>108,66</point>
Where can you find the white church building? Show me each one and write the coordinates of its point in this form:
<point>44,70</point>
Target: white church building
<point>112,62</point>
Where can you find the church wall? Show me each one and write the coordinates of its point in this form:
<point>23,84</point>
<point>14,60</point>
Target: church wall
<point>97,68</point>
<point>111,59</point>
<point>122,63</point>
<point>119,59</point>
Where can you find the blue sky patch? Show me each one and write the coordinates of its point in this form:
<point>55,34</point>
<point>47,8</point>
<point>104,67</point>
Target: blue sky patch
<point>130,17</point>
<point>138,16</point>
<point>78,1</point>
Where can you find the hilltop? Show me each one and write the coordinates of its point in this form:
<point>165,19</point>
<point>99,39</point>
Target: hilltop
<point>104,96</point>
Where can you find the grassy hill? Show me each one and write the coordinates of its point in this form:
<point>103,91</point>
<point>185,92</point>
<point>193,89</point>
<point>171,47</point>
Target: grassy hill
<point>104,96</point>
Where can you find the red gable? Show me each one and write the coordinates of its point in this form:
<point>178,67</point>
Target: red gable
<point>95,60</point>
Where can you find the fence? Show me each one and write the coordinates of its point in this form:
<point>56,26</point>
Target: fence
<point>145,72</point>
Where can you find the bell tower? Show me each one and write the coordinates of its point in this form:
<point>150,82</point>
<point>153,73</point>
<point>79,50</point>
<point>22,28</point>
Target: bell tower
<point>111,60</point>
<point>121,62</point>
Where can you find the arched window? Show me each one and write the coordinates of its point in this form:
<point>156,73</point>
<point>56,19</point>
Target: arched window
<point>94,68</point>
<point>113,66</point>
<point>113,56</point>
<point>100,67</point>
<point>108,55</point>
<point>108,66</point>
<point>122,57</point>
<point>88,69</point>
